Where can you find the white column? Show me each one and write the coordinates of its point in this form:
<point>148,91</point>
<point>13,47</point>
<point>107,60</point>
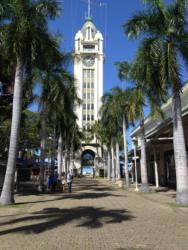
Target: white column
<point>156,168</point>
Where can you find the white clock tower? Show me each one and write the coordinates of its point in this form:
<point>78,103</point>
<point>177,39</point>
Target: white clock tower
<point>88,73</point>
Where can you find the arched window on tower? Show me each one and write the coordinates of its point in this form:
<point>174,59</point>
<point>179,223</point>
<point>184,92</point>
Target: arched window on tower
<point>88,33</point>
<point>78,44</point>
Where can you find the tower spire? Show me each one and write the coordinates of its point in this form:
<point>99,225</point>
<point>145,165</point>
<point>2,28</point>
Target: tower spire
<point>89,9</point>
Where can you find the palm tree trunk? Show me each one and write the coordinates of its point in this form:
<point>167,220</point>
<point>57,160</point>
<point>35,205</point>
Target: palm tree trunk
<point>59,156</point>
<point>53,150</point>
<point>7,195</point>
<point>113,165</point>
<point>125,151</point>
<point>109,165</point>
<point>179,150</point>
<point>144,174</point>
<point>42,148</point>
<point>117,159</point>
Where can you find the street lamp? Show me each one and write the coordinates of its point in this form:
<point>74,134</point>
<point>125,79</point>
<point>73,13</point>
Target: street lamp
<point>1,88</point>
<point>134,140</point>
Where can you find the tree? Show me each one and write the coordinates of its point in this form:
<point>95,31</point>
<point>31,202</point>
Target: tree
<point>126,109</point>
<point>111,121</point>
<point>165,28</point>
<point>25,37</point>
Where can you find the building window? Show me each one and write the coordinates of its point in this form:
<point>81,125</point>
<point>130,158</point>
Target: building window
<point>78,44</point>
<point>92,73</point>
<point>84,73</point>
<point>92,106</point>
<point>92,117</point>
<point>92,96</point>
<point>88,33</point>
<point>88,117</point>
<point>92,84</point>
<point>88,106</point>
<point>84,106</point>
<point>84,117</point>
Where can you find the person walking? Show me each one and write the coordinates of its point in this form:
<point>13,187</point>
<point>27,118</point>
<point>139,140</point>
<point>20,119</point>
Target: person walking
<point>63,181</point>
<point>69,182</point>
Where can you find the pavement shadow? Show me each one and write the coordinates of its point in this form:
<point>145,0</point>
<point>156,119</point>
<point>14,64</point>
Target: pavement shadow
<point>90,195</point>
<point>49,218</point>
<point>132,248</point>
<point>41,201</point>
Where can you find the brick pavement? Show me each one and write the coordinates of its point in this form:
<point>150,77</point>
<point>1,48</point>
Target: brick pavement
<point>96,216</point>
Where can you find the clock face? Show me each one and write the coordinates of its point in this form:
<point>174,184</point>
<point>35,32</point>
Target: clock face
<point>89,61</point>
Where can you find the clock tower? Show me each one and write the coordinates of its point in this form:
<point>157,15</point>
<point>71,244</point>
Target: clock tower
<point>88,73</point>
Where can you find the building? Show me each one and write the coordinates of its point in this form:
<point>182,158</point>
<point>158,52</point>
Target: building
<point>159,142</point>
<point>88,72</point>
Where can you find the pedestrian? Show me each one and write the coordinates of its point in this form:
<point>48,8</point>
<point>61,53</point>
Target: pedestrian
<point>69,181</point>
<point>55,180</point>
<point>50,182</point>
<point>63,181</point>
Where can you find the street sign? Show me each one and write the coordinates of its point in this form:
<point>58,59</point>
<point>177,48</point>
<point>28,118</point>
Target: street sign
<point>135,157</point>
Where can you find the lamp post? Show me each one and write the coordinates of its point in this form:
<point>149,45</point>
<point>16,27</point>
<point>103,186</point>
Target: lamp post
<point>134,140</point>
<point>1,88</point>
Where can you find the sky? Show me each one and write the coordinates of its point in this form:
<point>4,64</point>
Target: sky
<point>108,17</point>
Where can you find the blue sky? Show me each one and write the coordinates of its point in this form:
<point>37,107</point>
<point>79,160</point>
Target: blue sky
<point>108,17</point>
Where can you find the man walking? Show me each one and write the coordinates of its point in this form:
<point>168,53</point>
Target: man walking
<point>69,181</point>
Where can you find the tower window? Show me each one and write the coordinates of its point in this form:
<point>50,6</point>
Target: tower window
<point>92,73</point>
<point>89,46</point>
<point>88,33</point>
<point>84,117</point>
<point>78,44</point>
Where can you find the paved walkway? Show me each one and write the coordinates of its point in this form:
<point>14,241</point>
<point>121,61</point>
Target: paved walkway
<point>96,216</point>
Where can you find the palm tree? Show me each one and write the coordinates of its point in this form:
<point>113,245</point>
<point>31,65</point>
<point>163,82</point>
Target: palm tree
<point>110,120</point>
<point>126,106</point>
<point>102,135</point>
<point>130,72</point>
<point>56,102</point>
<point>24,36</point>
<point>167,40</point>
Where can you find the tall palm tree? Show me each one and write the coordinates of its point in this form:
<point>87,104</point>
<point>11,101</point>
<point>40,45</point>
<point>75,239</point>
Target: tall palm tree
<point>56,102</point>
<point>103,136</point>
<point>129,72</point>
<point>126,106</point>
<point>24,36</point>
<point>165,28</point>
<point>110,120</point>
